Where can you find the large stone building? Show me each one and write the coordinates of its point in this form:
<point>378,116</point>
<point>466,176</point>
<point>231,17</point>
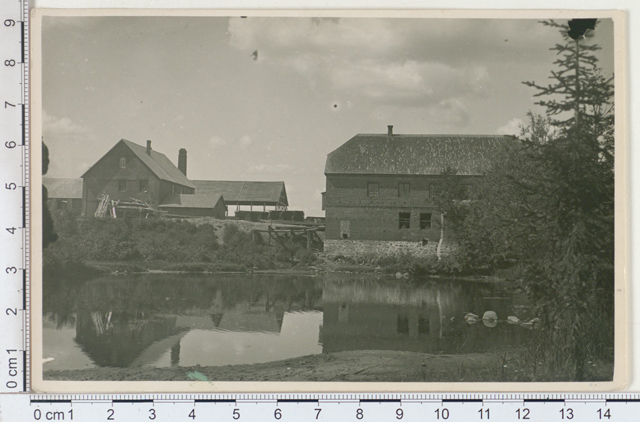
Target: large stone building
<point>381,187</point>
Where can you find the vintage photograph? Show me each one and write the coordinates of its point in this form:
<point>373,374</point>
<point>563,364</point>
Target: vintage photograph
<point>330,198</point>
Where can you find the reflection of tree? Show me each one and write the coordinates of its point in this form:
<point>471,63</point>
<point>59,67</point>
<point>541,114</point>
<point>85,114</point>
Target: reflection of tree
<point>180,294</point>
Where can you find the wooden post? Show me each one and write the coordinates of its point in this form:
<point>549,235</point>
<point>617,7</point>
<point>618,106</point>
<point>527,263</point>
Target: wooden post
<point>309,234</point>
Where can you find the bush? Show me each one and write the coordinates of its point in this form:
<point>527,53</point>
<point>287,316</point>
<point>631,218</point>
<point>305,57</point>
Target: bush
<point>91,239</point>
<point>305,256</point>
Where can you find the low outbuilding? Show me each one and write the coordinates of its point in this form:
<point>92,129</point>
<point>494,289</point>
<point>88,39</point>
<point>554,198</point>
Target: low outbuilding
<point>63,193</point>
<point>187,205</point>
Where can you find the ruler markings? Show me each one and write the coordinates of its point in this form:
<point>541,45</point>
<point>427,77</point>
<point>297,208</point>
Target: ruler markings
<point>634,400</point>
<point>380,401</point>
<point>50,401</point>
<point>461,400</point>
<point>22,40</point>
<point>24,129</point>
<point>544,400</point>
<point>214,401</point>
<point>132,400</point>
<point>297,401</point>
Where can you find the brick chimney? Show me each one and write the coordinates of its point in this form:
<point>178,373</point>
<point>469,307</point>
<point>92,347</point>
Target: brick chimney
<point>182,161</point>
<point>148,147</point>
<point>390,130</point>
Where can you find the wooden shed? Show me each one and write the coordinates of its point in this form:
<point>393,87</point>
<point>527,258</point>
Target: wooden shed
<point>185,205</point>
<point>248,194</point>
<point>63,193</point>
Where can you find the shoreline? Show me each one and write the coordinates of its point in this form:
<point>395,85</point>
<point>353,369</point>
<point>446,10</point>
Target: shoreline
<point>349,366</point>
<point>208,268</point>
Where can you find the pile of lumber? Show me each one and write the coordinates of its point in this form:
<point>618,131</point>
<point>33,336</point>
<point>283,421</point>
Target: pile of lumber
<point>109,207</point>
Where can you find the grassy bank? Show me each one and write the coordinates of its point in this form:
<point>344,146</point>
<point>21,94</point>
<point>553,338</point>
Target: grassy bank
<point>206,245</point>
<point>132,245</point>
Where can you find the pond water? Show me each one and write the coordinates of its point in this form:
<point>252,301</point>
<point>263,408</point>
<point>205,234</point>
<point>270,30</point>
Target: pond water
<point>163,320</point>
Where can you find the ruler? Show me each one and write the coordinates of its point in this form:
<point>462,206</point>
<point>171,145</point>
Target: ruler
<point>14,195</point>
<point>324,407</point>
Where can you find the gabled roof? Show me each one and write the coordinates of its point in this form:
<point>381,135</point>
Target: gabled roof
<point>416,154</point>
<point>244,192</point>
<point>63,188</point>
<point>191,201</point>
<point>157,162</point>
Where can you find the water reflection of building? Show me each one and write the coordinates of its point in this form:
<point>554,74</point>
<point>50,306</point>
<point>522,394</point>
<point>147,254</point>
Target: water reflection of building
<point>398,316</point>
<point>117,339</point>
<point>387,316</point>
<point>124,337</point>
<point>252,318</point>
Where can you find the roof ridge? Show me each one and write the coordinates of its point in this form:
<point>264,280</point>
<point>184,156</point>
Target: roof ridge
<point>424,155</point>
<point>437,135</point>
<point>238,181</point>
<point>166,169</point>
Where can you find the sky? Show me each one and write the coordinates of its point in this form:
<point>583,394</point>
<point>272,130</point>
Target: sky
<point>265,98</point>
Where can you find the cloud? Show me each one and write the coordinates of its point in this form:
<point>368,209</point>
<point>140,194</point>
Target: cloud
<point>442,40</point>
<point>216,141</point>
<point>271,168</point>
<point>512,127</point>
<point>450,112</point>
<point>404,61</point>
<point>245,142</point>
<point>411,82</point>
<point>52,125</point>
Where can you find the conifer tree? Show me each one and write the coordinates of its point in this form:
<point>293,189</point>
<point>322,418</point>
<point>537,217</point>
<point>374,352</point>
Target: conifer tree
<point>570,268</point>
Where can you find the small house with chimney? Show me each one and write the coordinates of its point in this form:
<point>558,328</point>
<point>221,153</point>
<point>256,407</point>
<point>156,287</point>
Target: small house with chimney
<point>380,189</point>
<point>130,171</point>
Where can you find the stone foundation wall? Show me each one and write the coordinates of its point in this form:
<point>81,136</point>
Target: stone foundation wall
<point>367,248</point>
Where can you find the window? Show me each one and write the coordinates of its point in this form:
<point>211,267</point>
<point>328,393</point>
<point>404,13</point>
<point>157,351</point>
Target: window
<point>143,185</point>
<point>465,191</point>
<point>345,229</point>
<point>123,162</point>
<point>122,186</point>
<point>175,189</point>
<point>435,190</point>
<point>404,220</point>
<point>373,189</point>
<point>423,326</point>
<point>425,221</point>
<point>403,189</point>
<point>403,324</point>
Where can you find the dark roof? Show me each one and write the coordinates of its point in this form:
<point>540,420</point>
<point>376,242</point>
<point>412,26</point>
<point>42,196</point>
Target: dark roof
<point>63,188</point>
<point>158,163</point>
<point>244,192</point>
<point>191,201</point>
<point>416,154</point>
